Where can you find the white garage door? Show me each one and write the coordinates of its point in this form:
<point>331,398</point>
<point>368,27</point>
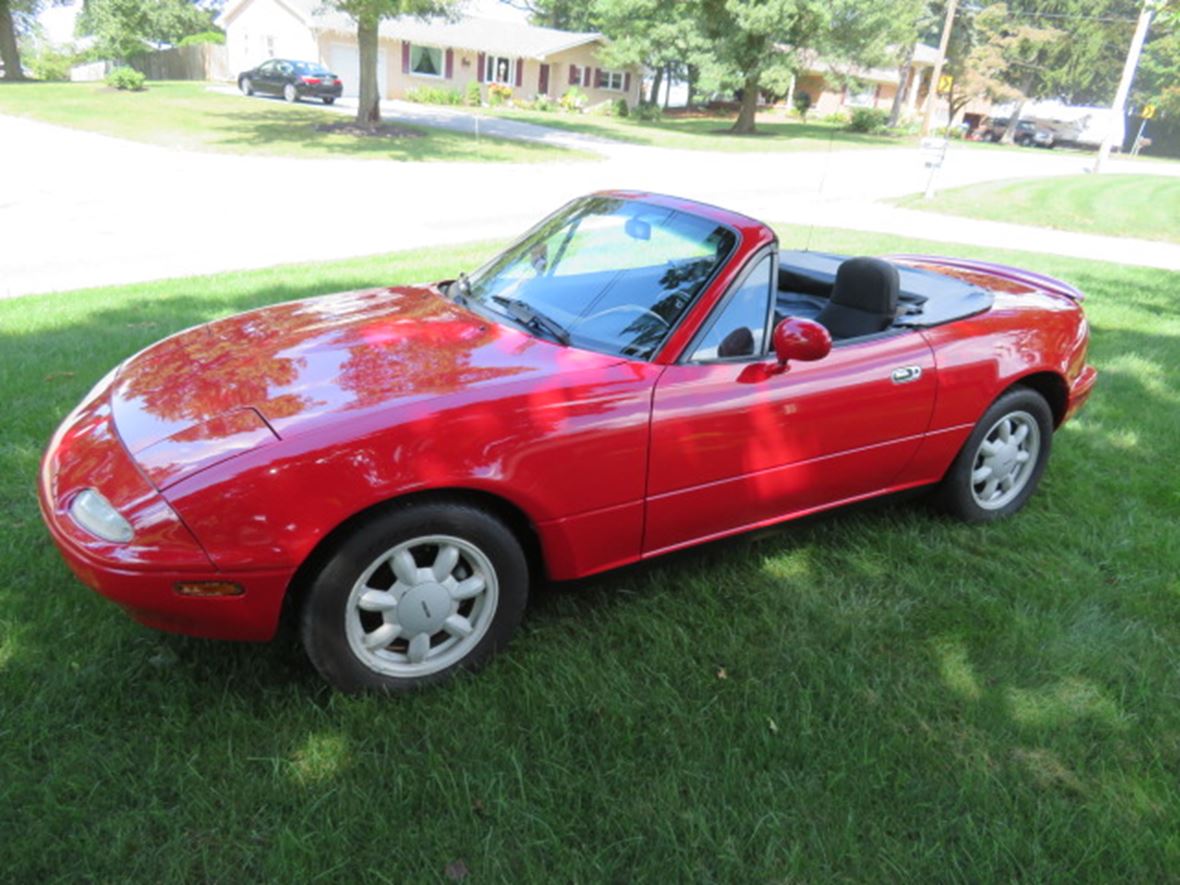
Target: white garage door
<point>345,61</point>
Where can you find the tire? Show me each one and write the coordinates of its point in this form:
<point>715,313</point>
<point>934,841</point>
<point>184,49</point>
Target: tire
<point>352,624</point>
<point>329,100</point>
<point>290,93</point>
<point>246,86</point>
<point>968,491</point>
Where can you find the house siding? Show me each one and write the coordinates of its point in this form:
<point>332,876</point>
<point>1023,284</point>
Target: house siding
<point>265,29</point>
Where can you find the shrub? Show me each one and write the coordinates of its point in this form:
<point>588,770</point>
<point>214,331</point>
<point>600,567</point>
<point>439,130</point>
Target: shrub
<point>203,37</point>
<point>620,108</point>
<point>50,64</point>
<point>544,103</point>
<point>474,97</point>
<point>126,78</point>
<point>839,118</point>
<point>868,120</point>
<point>498,93</point>
<point>648,112</point>
<point>434,95</point>
<point>802,104</point>
<point>573,99</point>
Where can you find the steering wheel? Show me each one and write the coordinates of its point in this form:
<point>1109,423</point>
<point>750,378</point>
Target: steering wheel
<point>627,308</point>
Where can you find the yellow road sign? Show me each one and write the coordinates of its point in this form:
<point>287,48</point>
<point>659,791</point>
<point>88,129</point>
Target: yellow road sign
<point>945,83</point>
<point>1148,112</point>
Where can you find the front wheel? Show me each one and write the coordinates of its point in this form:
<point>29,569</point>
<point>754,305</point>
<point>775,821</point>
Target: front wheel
<point>246,86</point>
<point>414,595</point>
<point>290,93</point>
<point>1001,463</point>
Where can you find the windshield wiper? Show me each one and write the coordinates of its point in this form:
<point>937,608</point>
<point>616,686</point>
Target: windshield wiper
<point>529,316</point>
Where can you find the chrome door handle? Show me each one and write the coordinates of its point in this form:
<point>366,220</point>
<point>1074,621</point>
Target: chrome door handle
<point>906,374</point>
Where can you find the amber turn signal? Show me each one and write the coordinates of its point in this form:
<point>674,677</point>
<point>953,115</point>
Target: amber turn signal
<point>209,588</point>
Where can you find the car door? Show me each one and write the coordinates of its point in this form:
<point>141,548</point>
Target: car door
<point>263,77</point>
<point>735,446</point>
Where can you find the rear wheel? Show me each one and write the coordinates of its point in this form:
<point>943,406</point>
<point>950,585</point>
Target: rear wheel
<point>329,100</point>
<point>290,93</point>
<point>1000,465</point>
<point>246,86</point>
<point>414,595</point>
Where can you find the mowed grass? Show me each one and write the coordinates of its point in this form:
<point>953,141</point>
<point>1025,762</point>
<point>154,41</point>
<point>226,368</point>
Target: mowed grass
<point>775,132</point>
<point>876,694</point>
<point>191,116</point>
<point>1143,206</point>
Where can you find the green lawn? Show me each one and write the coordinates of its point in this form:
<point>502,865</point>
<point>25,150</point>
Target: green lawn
<point>188,115</point>
<point>1145,206</point>
<point>707,133</point>
<point>877,694</point>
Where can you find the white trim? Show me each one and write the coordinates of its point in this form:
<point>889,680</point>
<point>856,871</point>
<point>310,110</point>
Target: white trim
<point>606,77</point>
<point>487,69</point>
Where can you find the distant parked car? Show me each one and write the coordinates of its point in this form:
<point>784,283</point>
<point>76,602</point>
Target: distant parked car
<point>1028,133</point>
<point>292,80</point>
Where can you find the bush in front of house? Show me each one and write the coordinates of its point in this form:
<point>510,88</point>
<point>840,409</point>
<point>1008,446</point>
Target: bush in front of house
<point>648,112</point>
<point>50,64</point>
<point>868,120</point>
<point>544,103</point>
<point>573,99</point>
<point>434,95</point>
<point>802,105</point>
<point>619,108</point>
<point>838,118</point>
<point>498,93</point>
<point>474,97</point>
<point>215,37</point>
<point>126,78</point>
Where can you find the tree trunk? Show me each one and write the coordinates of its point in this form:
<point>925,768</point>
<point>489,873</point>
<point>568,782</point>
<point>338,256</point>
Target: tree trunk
<point>368,109</point>
<point>657,81</point>
<point>1010,131</point>
<point>693,73</point>
<point>903,86</point>
<point>744,124</point>
<point>668,91</point>
<point>9,53</point>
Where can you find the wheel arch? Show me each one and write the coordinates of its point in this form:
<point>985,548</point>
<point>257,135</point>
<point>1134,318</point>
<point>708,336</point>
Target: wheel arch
<point>1052,386</point>
<point>518,521</point>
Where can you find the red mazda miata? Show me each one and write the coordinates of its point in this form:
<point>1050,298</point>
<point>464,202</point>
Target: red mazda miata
<point>635,375</point>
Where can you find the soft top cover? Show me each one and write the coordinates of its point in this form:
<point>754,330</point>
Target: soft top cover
<point>927,298</point>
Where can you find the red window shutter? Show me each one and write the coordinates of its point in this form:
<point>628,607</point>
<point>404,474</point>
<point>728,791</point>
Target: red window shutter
<point>599,78</point>
<point>450,63</point>
<point>481,64</point>
<point>405,57</point>
<point>574,76</point>
<point>543,80</point>
<point>520,72</point>
<point>627,82</point>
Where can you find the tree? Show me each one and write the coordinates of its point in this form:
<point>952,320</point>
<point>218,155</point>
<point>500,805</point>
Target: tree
<point>565,15</point>
<point>662,35</point>
<point>755,43</point>
<point>125,28</point>
<point>368,15</point>
<point>16,17</point>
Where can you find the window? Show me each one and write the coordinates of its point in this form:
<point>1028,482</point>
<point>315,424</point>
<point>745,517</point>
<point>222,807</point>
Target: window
<point>860,97</point>
<point>426,61</point>
<point>612,80</point>
<point>616,274</point>
<point>739,329</point>
<point>270,45</point>
<point>498,70</point>
<point>576,75</point>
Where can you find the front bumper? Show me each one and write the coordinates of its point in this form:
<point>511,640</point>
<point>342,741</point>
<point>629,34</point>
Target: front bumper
<point>142,575</point>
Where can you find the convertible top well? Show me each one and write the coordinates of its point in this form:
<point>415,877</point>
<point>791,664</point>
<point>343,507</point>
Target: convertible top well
<point>926,298</point>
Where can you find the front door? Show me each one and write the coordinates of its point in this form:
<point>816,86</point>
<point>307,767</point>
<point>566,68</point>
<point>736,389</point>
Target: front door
<point>543,80</point>
<point>734,447</point>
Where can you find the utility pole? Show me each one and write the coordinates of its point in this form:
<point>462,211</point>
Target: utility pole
<point>1119,111</point>
<point>936,75</point>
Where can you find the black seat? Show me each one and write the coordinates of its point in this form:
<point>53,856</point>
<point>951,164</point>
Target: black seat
<point>864,299</point>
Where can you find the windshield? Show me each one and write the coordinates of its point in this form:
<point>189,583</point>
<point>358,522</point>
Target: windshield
<point>614,275</point>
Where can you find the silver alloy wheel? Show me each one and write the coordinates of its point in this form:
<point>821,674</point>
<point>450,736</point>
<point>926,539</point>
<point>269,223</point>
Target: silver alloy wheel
<point>1005,460</point>
<point>421,606</point>
<point>290,93</point>
<point>247,86</point>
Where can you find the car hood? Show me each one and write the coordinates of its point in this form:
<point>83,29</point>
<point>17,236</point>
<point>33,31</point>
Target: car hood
<point>220,389</point>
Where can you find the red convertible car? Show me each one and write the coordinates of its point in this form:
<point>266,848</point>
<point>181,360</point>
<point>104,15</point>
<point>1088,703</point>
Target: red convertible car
<point>636,374</point>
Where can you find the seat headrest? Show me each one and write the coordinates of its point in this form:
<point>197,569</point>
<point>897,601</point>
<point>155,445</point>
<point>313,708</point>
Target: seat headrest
<point>869,284</point>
